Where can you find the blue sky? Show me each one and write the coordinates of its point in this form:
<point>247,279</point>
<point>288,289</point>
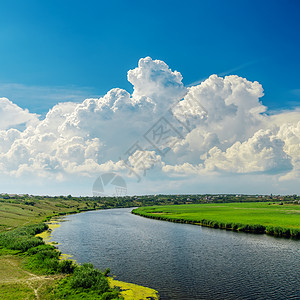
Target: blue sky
<point>59,51</point>
<point>91,45</point>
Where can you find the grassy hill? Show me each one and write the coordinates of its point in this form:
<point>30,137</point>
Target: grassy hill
<point>31,269</point>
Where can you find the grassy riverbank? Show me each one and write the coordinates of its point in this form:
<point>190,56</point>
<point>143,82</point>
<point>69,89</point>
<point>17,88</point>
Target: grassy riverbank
<point>31,263</point>
<point>282,220</point>
<point>32,269</point>
<point>19,210</point>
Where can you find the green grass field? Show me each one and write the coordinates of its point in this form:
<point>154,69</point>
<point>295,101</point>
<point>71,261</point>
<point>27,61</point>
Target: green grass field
<point>267,215</point>
<point>34,275</point>
<point>20,212</point>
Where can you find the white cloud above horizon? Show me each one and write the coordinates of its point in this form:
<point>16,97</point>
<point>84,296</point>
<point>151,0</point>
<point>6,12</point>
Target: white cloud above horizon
<point>216,128</point>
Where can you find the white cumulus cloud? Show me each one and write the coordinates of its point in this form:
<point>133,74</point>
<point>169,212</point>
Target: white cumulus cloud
<point>218,126</point>
<point>261,153</point>
<point>12,115</point>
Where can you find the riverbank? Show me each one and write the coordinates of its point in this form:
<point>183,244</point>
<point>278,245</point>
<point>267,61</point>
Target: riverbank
<point>34,269</point>
<point>129,291</point>
<point>270,218</point>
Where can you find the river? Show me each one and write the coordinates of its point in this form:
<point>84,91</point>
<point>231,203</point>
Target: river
<point>183,261</point>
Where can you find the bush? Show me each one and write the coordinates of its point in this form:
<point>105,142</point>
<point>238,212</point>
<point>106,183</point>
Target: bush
<point>85,283</point>
<point>106,272</point>
<point>35,250</point>
<point>88,277</point>
<point>22,238</point>
<point>45,259</point>
<point>66,267</point>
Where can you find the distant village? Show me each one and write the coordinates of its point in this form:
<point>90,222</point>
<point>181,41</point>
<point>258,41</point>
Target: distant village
<point>159,199</point>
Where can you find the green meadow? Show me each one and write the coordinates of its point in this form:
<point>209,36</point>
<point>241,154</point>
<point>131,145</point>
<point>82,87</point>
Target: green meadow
<point>32,269</point>
<point>260,217</point>
<point>20,211</point>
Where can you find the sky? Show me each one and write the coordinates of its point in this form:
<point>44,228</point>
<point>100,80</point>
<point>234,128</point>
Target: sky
<point>173,96</point>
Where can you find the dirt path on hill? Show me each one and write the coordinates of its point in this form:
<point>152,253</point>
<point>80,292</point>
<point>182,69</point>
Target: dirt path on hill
<point>15,274</point>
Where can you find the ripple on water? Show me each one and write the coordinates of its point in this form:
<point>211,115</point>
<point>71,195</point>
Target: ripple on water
<point>183,261</point>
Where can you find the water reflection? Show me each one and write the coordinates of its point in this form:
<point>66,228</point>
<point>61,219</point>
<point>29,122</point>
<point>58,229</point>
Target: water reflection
<point>183,261</point>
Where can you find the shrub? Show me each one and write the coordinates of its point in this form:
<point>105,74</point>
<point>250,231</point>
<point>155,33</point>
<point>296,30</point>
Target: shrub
<point>22,238</point>
<point>66,267</point>
<point>86,276</point>
<point>106,272</point>
<point>86,283</point>
<point>45,259</point>
<point>43,247</point>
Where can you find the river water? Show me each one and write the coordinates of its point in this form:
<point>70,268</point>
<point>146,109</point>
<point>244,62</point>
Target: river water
<point>183,261</point>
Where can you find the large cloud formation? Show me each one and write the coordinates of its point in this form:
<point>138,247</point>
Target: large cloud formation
<point>218,126</point>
